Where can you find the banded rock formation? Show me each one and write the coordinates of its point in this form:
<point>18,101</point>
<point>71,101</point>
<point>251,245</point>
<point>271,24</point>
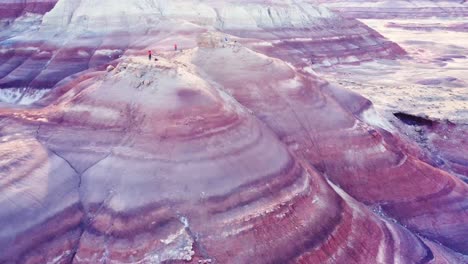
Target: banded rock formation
<point>370,158</point>
<point>77,35</point>
<point>150,163</point>
<point>225,152</point>
<point>11,9</point>
<point>398,9</point>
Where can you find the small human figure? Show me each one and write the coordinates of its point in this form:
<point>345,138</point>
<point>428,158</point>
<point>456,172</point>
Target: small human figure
<point>175,47</point>
<point>150,54</point>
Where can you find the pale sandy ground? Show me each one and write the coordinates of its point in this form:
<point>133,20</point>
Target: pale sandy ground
<point>438,59</point>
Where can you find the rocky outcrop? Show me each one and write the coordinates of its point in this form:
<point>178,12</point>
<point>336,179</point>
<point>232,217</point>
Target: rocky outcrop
<point>444,141</point>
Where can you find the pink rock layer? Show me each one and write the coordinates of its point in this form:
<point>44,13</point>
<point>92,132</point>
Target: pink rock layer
<point>451,143</point>
<point>351,42</point>
<point>39,65</point>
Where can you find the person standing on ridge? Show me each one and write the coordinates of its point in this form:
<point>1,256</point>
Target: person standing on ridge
<point>150,54</point>
<point>175,47</point>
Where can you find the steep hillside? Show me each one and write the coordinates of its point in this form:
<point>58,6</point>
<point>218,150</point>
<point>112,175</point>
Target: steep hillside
<point>185,161</point>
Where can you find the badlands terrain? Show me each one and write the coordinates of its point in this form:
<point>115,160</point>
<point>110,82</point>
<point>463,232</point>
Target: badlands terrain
<point>277,132</point>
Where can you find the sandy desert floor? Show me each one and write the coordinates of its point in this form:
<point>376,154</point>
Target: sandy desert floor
<point>432,81</point>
